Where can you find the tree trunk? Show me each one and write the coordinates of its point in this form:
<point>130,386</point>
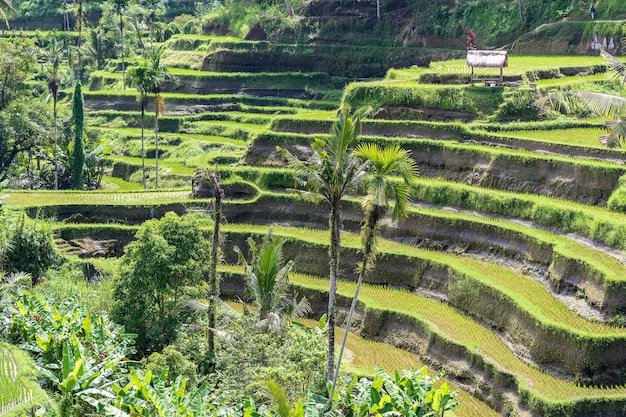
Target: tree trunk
<point>156,140</point>
<point>143,148</point>
<point>214,289</point>
<point>56,163</point>
<point>122,43</point>
<point>522,15</point>
<point>369,228</point>
<point>378,9</point>
<point>289,8</point>
<point>335,241</point>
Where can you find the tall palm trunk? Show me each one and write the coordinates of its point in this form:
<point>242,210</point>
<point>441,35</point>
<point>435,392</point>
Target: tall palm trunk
<point>122,43</point>
<point>335,241</point>
<point>156,140</point>
<point>369,232</point>
<point>143,148</point>
<point>214,289</point>
<point>55,157</point>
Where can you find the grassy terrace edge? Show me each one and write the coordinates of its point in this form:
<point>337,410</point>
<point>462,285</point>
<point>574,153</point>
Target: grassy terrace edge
<point>431,323</point>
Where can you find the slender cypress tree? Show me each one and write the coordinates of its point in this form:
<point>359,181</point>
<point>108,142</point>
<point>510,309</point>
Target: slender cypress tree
<point>78,155</point>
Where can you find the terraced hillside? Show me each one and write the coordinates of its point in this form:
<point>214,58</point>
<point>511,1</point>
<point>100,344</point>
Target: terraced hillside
<point>509,272</point>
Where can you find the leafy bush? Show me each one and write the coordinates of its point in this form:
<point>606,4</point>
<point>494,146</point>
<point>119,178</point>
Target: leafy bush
<point>617,201</point>
<point>30,247</point>
<point>175,362</point>
<point>166,256</point>
<point>518,105</point>
<point>248,356</point>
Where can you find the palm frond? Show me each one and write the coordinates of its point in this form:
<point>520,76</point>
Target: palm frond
<point>616,135</point>
<point>607,104</point>
<point>616,65</point>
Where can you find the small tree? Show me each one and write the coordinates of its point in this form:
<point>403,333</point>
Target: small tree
<point>167,255</point>
<point>267,277</point>
<point>78,154</point>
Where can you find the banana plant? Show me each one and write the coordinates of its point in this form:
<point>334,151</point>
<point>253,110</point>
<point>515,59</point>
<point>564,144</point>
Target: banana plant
<point>145,395</point>
<point>410,394</point>
<point>82,380</point>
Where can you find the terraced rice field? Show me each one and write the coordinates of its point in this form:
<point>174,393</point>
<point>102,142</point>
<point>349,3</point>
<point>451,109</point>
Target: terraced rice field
<point>516,293</point>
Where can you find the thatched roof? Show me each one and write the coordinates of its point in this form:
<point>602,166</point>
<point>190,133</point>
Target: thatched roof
<point>487,59</point>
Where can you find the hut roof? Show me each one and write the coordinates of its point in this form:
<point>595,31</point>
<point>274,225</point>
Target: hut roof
<point>487,59</point>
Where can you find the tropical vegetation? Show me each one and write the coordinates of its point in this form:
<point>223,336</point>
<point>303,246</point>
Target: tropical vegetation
<point>224,288</point>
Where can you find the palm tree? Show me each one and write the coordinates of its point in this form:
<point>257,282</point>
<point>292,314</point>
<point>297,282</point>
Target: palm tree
<point>214,288</point>
<point>95,47</point>
<point>267,277</point>
<point>383,184</point>
<point>138,77</point>
<point>332,172</point>
<point>148,77</point>
<point>53,75</point>
<point>119,6</point>
<point>157,74</point>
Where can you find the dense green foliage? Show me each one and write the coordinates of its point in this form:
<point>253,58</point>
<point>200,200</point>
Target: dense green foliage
<point>248,356</point>
<point>267,276</point>
<point>167,256</point>
<point>26,246</point>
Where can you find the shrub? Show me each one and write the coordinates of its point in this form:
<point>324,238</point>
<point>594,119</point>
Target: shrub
<point>247,357</point>
<point>30,247</point>
<point>176,364</point>
<point>167,256</point>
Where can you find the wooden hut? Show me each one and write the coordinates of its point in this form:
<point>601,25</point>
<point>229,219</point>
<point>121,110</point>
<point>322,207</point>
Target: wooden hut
<point>487,59</point>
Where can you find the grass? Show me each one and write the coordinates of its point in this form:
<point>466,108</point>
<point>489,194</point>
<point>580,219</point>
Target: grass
<point>441,319</point>
<point>114,183</point>
<point>521,64</point>
<point>588,137</point>
<point>68,280</point>
<point>135,133</point>
<point>20,199</point>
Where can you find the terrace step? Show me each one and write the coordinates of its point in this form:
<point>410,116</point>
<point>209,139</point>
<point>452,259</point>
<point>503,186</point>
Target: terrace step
<point>564,265</point>
<point>583,181</point>
<point>284,84</point>
<point>526,314</point>
<point>97,100</point>
<point>469,352</point>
